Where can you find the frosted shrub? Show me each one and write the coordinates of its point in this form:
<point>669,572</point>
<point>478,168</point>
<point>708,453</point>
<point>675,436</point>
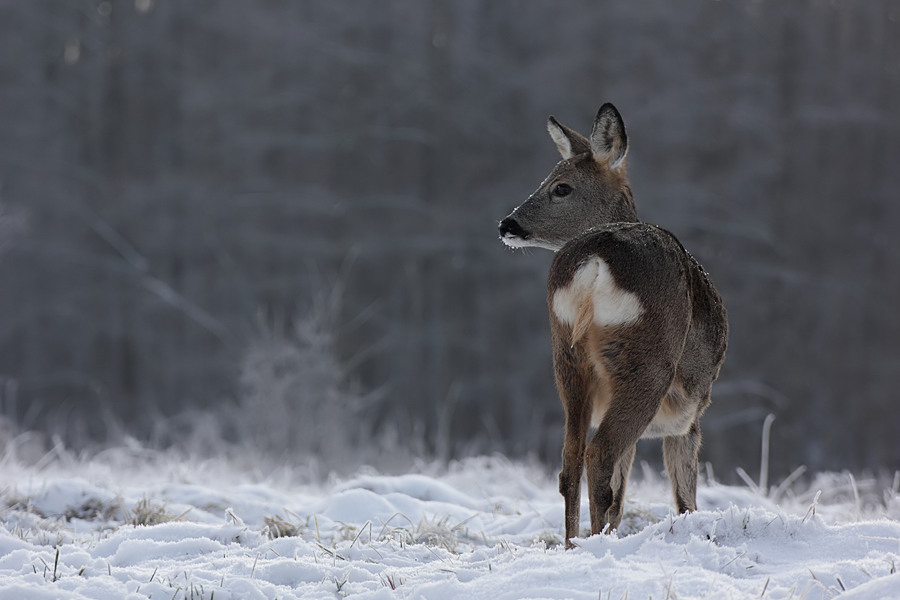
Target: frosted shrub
<point>294,396</point>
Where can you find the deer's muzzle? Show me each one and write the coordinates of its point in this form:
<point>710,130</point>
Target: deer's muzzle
<point>510,228</point>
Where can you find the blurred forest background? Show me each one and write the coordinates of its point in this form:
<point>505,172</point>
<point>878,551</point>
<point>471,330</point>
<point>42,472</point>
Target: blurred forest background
<point>275,222</point>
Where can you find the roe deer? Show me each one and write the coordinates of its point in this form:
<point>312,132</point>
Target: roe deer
<point>638,329</point>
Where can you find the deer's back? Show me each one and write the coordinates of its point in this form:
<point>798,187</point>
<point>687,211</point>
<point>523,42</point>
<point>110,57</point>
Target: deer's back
<point>637,283</point>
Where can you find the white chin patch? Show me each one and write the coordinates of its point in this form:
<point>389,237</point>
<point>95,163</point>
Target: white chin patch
<point>514,241</point>
<point>517,242</point>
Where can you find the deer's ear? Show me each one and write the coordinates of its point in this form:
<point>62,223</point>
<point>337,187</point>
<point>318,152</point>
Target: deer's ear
<point>568,141</point>
<point>609,144</point>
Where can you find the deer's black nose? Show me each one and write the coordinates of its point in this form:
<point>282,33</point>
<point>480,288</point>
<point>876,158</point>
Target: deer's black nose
<point>510,227</point>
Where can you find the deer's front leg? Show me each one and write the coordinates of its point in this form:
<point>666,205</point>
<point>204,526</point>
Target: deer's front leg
<point>573,387</point>
<point>570,478</point>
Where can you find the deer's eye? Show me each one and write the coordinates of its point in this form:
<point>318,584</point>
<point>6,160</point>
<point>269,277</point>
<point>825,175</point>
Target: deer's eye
<point>562,189</point>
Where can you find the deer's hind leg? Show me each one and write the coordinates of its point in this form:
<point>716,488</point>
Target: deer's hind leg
<point>680,453</point>
<point>636,398</point>
<point>618,483</point>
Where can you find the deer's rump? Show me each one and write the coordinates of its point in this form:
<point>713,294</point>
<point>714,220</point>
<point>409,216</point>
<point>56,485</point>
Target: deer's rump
<point>635,300</point>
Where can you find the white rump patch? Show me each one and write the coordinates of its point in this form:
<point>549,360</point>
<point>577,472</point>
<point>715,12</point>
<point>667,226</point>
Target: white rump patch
<point>593,298</point>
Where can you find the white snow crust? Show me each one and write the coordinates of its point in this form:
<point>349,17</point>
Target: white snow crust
<point>147,525</point>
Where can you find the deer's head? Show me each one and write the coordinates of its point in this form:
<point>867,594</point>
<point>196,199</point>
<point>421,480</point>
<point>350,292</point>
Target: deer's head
<point>587,188</point>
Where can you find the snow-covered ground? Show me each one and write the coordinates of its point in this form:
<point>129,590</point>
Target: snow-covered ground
<point>127,523</point>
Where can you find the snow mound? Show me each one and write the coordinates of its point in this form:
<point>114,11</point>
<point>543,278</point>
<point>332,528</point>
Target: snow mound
<point>482,528</point>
